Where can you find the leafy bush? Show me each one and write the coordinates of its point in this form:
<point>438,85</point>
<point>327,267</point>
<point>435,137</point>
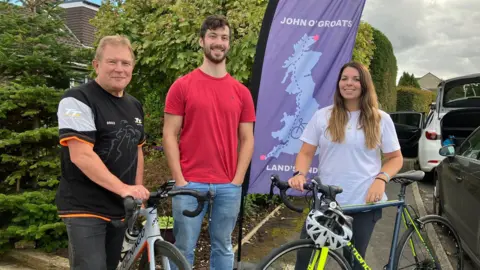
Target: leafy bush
<point>36,65</point>
<point>364,44</point>
<point>31,216</point>
<point>383,68</point>
<point>153,107</point>
<point>165,38</point>
<point>414,99</point>
<point>29,136</point>
<point>253,203</point>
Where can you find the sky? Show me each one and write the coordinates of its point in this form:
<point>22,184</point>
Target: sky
<point>437,36</point>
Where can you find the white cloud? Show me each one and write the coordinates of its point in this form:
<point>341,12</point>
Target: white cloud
<point>437,36</point>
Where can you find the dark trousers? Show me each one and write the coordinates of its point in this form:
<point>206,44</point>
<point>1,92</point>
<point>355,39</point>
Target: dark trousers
<point>363,225</point>
<point>93,243</point>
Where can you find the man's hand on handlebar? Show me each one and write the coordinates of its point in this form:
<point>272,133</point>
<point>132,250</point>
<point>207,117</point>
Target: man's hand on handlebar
<point>297,182</point>
<point>136,191</point>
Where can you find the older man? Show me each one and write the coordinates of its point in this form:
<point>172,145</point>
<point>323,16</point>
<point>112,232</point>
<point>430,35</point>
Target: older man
<point>101,133</point>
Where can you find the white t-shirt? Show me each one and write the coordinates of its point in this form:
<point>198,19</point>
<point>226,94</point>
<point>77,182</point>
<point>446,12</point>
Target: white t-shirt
<point>350,165</point>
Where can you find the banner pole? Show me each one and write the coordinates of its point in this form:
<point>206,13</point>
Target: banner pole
<point>255,79</point>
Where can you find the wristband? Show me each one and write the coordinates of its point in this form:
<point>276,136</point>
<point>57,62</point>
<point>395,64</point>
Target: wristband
<point>298,173</point>
<point>386,174</point>
<point>381,179</point>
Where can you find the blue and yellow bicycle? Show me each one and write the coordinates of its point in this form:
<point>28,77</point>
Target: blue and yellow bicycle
<point>414,250</point>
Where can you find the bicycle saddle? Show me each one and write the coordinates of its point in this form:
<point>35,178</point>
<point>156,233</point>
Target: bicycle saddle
<point>408,177</point>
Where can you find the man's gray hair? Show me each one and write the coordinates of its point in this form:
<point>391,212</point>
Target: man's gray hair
<point>115,40</point>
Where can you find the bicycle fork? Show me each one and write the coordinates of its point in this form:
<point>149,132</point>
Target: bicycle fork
<point>319,259</point>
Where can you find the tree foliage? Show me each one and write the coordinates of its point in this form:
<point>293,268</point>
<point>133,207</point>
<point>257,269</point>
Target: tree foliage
<point>36,64</point>
<point>31,217</point>
<point>165,37</point>
<point>408,80</point>
<point>364,44</point>
<point>29,136</point>
<point>384,71</point>
<point>33,50</point>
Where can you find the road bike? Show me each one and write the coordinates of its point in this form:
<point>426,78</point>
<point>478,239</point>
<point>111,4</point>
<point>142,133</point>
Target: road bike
<point>147,249</point>
<point>406,253</point>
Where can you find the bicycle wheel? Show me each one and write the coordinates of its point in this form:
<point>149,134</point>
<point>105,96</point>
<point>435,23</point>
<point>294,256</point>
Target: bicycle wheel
<point>298,255</point>
<point>416,250</point>
<point>165,251</point>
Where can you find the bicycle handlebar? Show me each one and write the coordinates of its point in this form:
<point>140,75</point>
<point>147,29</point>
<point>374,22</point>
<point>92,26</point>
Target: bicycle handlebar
<point>283,187</point>
<point>201,198</point>
<point>132,206</point>
<point>329,192</point>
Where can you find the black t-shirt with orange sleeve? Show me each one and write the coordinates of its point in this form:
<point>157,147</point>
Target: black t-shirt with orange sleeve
<point>113,126</point>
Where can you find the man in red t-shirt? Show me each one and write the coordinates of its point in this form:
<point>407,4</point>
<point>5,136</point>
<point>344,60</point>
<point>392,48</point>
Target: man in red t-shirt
<point>214,115</point>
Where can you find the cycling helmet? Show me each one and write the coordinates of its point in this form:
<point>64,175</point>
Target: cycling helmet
<point>328,227</point>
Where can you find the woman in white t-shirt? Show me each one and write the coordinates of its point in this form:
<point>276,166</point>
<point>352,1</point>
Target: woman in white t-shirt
<point>350,137</point>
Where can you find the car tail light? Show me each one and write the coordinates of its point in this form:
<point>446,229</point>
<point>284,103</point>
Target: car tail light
<point>432,135</point>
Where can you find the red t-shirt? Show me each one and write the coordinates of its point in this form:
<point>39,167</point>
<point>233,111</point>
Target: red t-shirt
<point>212,110</point>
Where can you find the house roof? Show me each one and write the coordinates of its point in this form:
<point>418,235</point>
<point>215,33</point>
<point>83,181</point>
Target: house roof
<point>71,39</point>
<point>80,3</point>
<point>430,74</point>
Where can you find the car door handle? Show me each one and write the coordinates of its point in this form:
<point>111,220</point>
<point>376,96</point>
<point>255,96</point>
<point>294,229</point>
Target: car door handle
<point>459,179</point>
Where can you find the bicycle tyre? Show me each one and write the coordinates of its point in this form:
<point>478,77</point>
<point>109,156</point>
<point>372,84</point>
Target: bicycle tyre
<point>425,220</point>
<point>167,249</point>
<point>297,244</point>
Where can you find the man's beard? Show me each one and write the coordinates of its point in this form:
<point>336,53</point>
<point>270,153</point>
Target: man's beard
<point>213,59</point>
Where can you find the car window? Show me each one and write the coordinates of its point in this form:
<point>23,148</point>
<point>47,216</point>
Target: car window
<point>429,118</point>
<point>471,147</point>
<point>463,95</point>
<point>409,119</point>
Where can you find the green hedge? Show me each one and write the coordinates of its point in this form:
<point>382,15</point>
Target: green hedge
<point>414,99</point>
<point>383,68</point>
<point>31,217</point>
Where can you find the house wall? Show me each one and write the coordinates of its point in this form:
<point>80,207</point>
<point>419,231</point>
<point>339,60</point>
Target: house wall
<point>77,19</point>
<point>429,82</point>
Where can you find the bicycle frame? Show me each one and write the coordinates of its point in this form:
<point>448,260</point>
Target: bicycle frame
<point>320,256</point>
<point>145,241</point>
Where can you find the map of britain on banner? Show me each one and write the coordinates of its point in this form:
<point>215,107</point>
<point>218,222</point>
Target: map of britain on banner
<point>299,71</point>
<point>304,52</point>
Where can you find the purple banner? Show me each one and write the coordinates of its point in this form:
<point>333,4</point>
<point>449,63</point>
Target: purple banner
<point>308,42</point>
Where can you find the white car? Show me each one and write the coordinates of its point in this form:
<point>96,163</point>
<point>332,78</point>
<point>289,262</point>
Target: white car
<point>420,137</point>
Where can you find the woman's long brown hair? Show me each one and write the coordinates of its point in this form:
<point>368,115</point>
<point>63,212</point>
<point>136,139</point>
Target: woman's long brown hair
<point>369,115</point>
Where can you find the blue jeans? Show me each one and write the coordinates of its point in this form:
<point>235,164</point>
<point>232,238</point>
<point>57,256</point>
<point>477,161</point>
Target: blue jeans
<point>222,219</point>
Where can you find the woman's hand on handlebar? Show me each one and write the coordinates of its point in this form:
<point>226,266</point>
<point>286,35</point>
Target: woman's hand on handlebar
<point>297,182</point>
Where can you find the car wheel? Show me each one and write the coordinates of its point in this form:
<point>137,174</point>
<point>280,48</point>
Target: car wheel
<point>429,176</point>
<point>437,206</point>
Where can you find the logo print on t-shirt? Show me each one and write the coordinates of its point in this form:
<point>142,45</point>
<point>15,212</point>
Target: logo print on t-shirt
<point>72,112</point>
<point>124,144</point>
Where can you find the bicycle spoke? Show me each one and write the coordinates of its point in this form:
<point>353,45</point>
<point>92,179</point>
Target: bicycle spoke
<point>418,252</point>
<point>303,255</point>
